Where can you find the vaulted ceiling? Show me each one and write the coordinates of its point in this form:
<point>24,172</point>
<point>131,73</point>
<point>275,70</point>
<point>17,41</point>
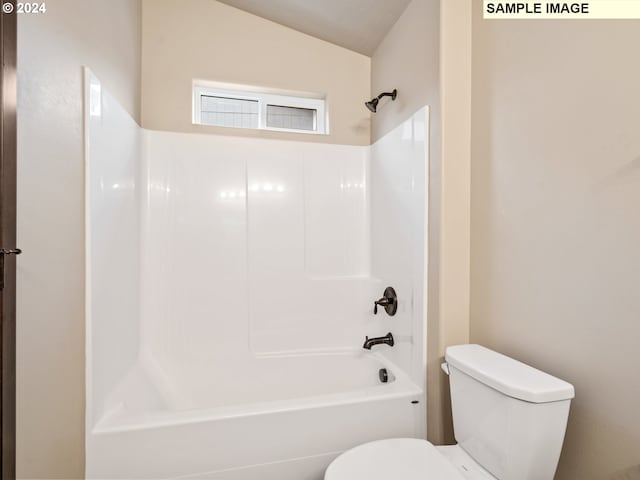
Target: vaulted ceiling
<point>358,25</point>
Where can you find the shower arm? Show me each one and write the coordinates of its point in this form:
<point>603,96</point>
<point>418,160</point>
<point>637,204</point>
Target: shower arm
<point>392,94</point>
<point>372,104</point>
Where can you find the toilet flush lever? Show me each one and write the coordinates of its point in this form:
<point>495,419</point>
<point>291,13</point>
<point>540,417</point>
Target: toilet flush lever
<point>389,301</point>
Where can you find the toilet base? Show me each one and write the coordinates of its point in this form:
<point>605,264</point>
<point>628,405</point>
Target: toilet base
<point>468,467</point>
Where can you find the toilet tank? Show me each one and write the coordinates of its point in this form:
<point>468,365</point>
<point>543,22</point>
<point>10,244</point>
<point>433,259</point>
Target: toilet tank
<point>510,417</point>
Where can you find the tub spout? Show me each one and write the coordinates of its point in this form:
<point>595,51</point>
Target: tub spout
<point>370,342</point>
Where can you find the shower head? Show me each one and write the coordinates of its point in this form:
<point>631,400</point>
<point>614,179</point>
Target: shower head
<point>372,105</point>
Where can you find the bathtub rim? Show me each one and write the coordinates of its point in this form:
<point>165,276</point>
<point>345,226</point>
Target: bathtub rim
<point>401,387</point>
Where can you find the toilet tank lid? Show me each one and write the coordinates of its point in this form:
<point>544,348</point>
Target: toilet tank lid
<point>509,376</point>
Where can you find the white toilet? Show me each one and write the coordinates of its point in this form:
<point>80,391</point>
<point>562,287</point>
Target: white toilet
<point>509,421</point>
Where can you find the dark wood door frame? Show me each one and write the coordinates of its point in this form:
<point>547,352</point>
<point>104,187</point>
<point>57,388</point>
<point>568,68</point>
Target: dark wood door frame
<point>8,60</point>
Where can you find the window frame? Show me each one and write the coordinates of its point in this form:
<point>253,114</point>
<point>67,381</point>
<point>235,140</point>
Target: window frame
<point>264,98</point>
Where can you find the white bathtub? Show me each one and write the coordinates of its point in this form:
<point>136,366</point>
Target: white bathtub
<point>207,257</point>
<point>291,417</point>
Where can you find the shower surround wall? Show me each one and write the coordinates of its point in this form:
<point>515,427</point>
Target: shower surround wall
<point>259,246</point>
<point>112,177</point>
<point>398,236</point>
<point>230,287</point>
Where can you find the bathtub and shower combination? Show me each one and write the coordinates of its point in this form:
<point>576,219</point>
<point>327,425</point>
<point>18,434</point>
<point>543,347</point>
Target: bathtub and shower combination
<point>230,287</point>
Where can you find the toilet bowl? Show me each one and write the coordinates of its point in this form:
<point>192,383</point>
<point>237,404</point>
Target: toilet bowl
<point>497,403</point>
<point>405,459</point>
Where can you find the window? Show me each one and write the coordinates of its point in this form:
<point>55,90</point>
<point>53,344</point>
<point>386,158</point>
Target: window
<point>229,112</point>
<point>247,107</point>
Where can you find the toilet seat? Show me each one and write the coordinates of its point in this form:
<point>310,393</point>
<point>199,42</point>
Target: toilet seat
<point>397,458</point>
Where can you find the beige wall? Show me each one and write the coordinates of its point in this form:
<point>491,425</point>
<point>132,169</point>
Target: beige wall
<point>455,225</point>
<point>52,48</point>
<point>555,194</point>
<point>409,59</point>
<point>207,40</point>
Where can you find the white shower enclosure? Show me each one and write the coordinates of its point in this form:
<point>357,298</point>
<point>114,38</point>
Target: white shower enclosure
<point>230,287</point>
